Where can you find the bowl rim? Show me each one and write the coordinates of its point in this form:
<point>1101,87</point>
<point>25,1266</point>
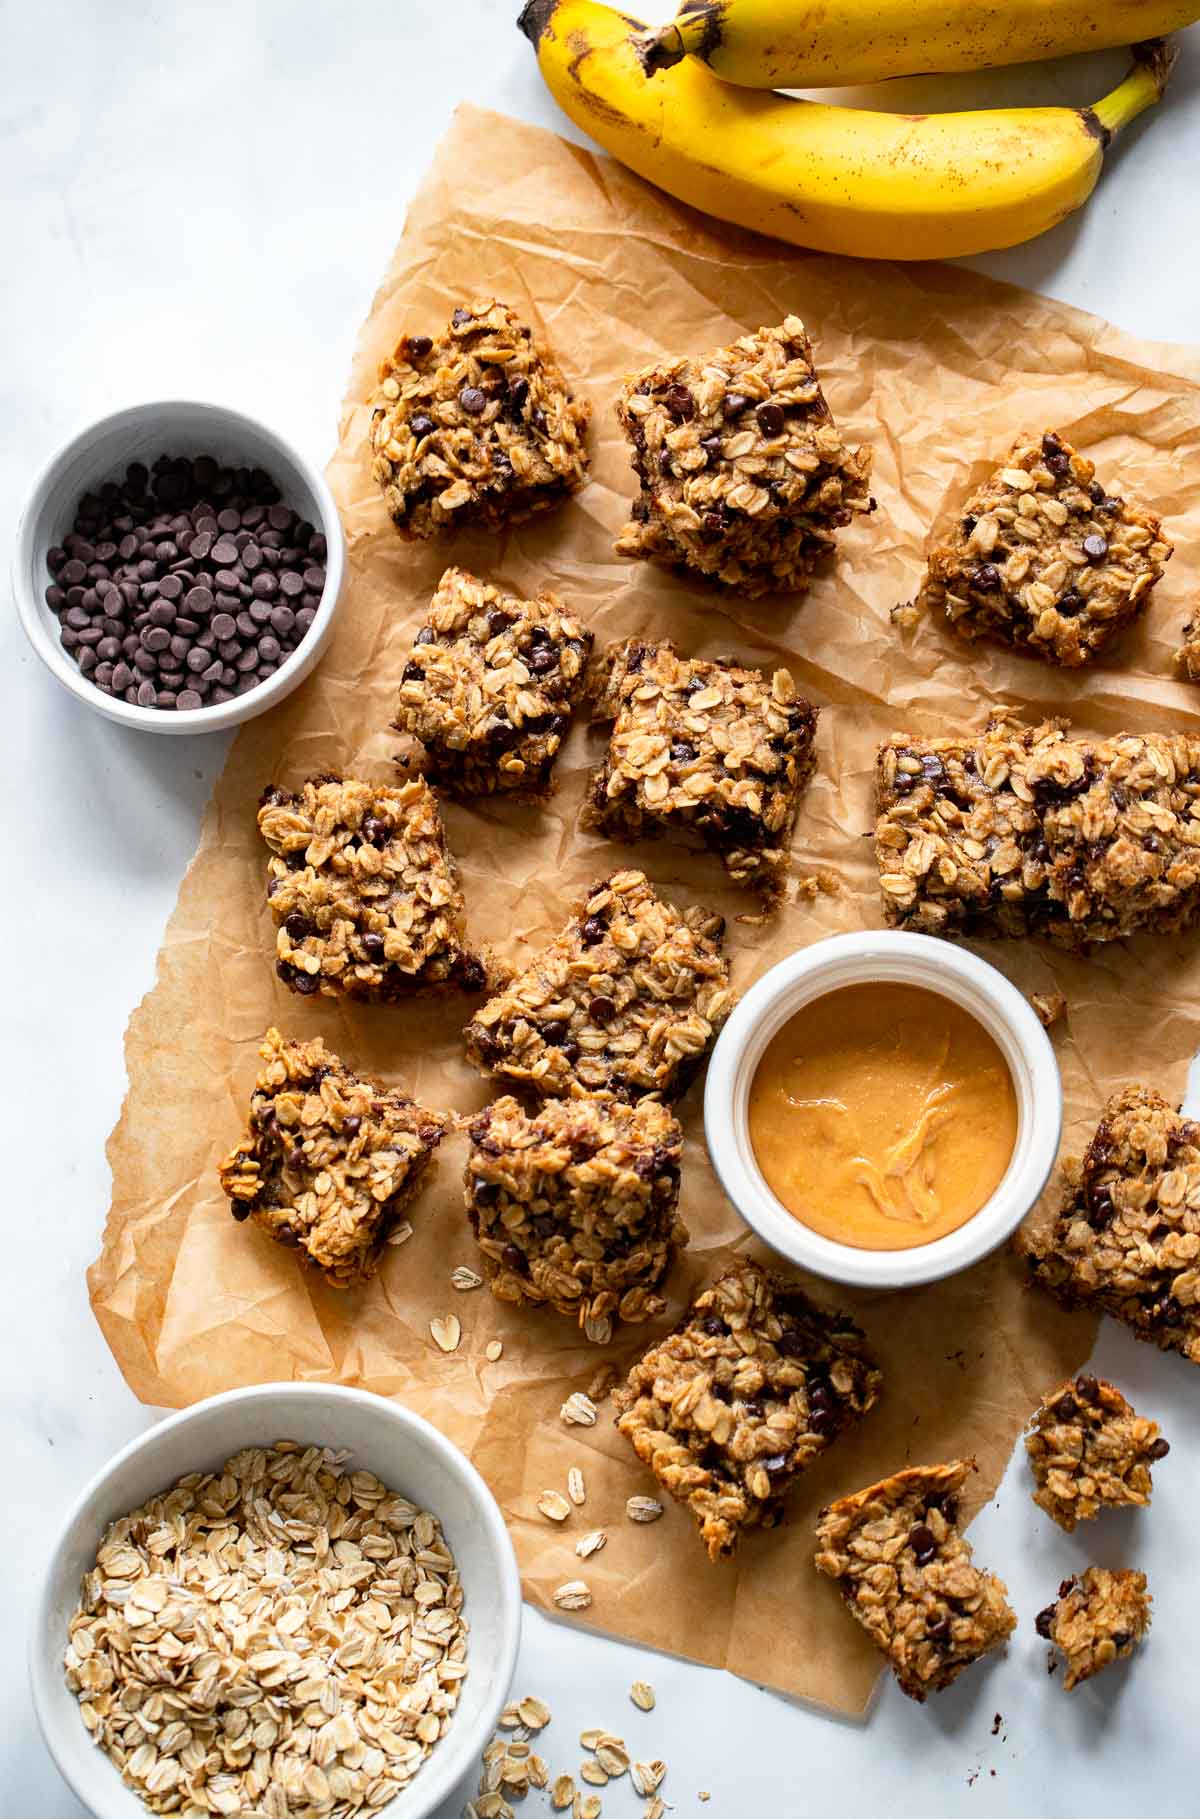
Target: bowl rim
<point>44,1670</point>
<point>884,955</point>
<point>31,608</point>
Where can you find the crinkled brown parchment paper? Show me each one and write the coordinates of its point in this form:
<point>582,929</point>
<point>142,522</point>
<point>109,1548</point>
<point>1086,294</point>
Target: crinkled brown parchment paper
<point>936,370</point>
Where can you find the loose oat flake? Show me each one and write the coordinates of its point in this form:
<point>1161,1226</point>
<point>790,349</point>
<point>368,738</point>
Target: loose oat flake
<point>447,1332</point>
<point>647,1776</point>
<point>591,1543</point>
<point>465,1279</point>
<point>576,1489</point>
<point>493,1350</point>
<point>578,1410</point>
<point>554,1506</point>
<point>300,1641</point>
<point>562,1793</point>
<point>643,1509</point>
<point>573,1596</point>
<point>594,1773</point>
<point>534,1713</point>
<point>642,1694</point>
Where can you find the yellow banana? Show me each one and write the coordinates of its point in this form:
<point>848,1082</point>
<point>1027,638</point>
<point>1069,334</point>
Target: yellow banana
<point>823,43</point>
<point>843,180</point>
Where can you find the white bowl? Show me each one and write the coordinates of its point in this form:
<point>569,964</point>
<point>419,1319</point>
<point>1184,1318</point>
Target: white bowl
<point>410,1457</point>
<point>921,960</point>
<point>102,452</point>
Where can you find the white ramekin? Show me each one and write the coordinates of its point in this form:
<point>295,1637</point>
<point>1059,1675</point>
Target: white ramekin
<point>102,452</point>
<point>404,1451</point>
<point>862,959</point>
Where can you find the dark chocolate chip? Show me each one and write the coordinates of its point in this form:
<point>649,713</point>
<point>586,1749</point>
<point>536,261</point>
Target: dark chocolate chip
<point>770,418</point>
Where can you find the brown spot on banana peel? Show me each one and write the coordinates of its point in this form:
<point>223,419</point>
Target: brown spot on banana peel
<point>579,50</point>
<point>712,13</point>
<point>1095,127</point>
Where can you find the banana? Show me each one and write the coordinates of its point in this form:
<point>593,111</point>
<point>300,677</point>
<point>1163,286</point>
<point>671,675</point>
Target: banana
<point>803,44</point>
<point>842,180</point>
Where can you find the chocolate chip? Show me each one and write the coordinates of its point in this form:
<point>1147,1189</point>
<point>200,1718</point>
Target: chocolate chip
<point>679,403</point>
<point>1088,1388</point>
<point>421,425</point>
<point>542,660</point>
<point>601,1011</point>
<point>1070,603</point>
<point>1066,1408</point>
<point>1095,547</point>
<point>592,931</point>
<point>554,1033</point>
<point>1044,1621</point>
<point>1158,1449</point>
<point>735,403</point>
<point>472,400</point>
<point>714,1326</point>
<point>418,346</point>
<point>770,418</point>
<point>682,751</point>
<point>985,576</point>
<point>922,1542</point>
<point>372,946</point>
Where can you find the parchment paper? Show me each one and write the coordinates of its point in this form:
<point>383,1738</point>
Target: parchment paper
<point>936,369</point>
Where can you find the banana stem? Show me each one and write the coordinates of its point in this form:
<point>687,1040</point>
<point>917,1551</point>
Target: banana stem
<point>662,47</point>
<point>1142,87</point>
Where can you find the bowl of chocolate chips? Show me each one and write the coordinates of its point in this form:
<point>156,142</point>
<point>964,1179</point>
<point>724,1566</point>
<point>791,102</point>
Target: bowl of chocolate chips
<point>178,567</point>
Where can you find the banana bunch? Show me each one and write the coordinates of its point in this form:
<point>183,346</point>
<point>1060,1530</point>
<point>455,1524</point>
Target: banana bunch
<point>842,180</point>
<point>792,44</point>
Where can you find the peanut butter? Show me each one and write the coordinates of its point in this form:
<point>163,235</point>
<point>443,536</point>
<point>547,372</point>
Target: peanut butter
<point>883,1116</point>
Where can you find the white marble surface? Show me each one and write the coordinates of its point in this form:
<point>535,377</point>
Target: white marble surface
<point>198,198</point>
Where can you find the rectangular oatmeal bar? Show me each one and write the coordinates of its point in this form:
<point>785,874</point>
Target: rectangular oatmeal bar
<point>363,891</point>
<point>743,473</point>
<point>1126,1239</point>
<point>330,1159</point>
<point>1043,557</point>
<point>627,999</point>
<point>574,1205</point>
<point>1020,831</point>
<point>476,427</point>
<point>730,1408</point>
<point>907,1575</point>
<point>1089,1450</point>
<point>1099,1617</point>
<point>707,753</point>
<point>490,684</point>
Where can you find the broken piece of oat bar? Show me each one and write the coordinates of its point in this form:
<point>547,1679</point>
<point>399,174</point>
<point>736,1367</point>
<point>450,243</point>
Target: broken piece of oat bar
<point>627,999</point>
<point>363,891</point>
<point>330,1159</point>
<point>478,426</point>
<point>1099,1617</point>
<point>1043,557</point>
<point>743,473</point>
<point>574,1205</point>
<point>1090,1451</point>
<point>490,684</point>
<point>707,753</point>
<point>730,1408</point>
<point>907,1575</point>
<point>1020,831</point>
<point>1126,1238</point>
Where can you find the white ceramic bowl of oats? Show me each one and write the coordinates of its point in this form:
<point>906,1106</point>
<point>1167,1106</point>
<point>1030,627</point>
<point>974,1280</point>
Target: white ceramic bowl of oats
<point>327,1634</point>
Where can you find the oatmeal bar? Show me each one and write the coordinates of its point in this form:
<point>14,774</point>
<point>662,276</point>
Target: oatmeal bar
<point>1187,657</point>
<point>490,685</point>
<point>729,1409</point>
<point>1089,1451</point>
<point>363,891</point>
<point>330,1158</point>
<point>1126,1239</point>
<point>1044,558</point>
<point>574,1205</point>
<point>475,427</point>
<point>907,1575</point>
<point>1099,1617</point>
<point>703,752</point>
<point>744,475</point>
<point>628,999</point>
<point>1021,831</point>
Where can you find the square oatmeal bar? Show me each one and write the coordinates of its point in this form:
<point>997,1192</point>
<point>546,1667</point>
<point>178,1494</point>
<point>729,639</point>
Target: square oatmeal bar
<point>627,999</point>
<point>1098,1617</point>
<point>1045,558</point>
<point>907,1575</point>
<point>477,426</point>
<point>744,475</point>
<point>363,891</point>
<point>330,1159</point>
<point>1126,1239</point>
<point>490,685</point>
<point>1021,831</point>
<point>702,752</point>
<point>730,1408</point>
<point>574,1205</point>
<point>1089,1451</point>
